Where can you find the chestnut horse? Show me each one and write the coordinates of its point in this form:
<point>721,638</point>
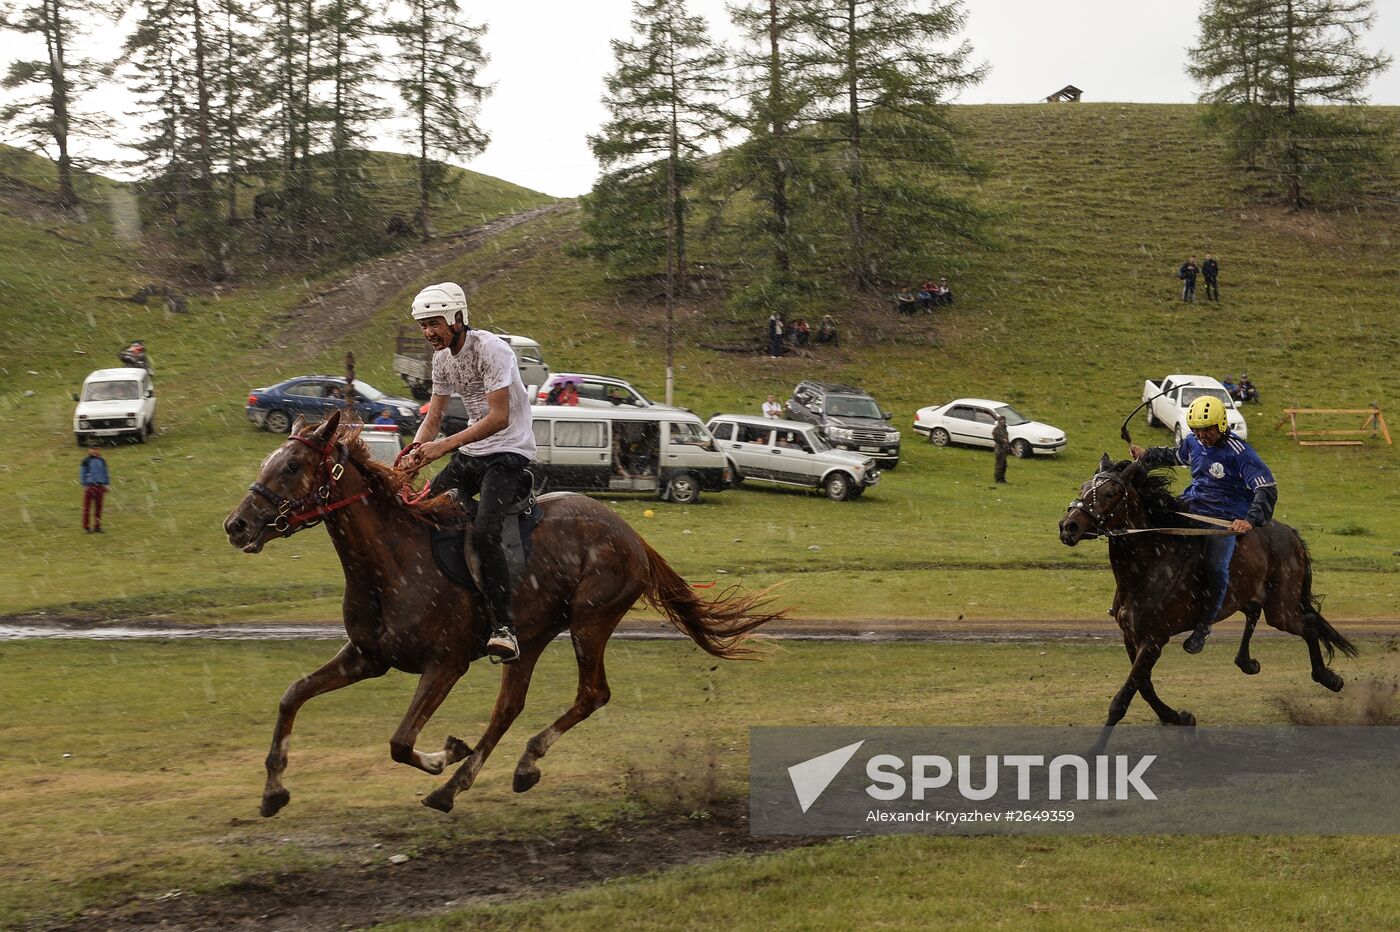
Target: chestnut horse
<point>586,569</point>
<point>1160,578</point>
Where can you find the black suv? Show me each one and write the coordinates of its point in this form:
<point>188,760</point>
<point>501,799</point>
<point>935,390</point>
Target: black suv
<point>849,419</point>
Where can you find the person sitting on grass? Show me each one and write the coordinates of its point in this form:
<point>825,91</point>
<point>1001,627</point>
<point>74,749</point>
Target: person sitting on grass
<point>906,302</point>
<point>826,333</point>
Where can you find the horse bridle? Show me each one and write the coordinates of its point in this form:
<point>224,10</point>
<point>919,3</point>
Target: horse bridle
<point>1090,508</point>
<point>298,514</point>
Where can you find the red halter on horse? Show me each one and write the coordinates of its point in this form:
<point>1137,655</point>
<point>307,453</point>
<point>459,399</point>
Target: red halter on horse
<point>587,568</point>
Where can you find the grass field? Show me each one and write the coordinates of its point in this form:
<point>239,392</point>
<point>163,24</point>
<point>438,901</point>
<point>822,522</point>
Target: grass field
<point>1066,317</point>
<point>135,769</point>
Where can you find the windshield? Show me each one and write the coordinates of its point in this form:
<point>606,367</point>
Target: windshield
<point>851,406</point>
<point>1013,417</point>
<point>112,391</point>
<point>1190,394</point>
<point>367,391</point>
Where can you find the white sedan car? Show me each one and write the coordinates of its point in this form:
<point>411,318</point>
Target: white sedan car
<point>970,421</point>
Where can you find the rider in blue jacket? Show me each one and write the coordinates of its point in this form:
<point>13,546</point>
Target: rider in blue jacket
<point>1229,481</point>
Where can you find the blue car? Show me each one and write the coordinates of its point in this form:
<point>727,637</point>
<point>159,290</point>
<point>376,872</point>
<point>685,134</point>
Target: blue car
<point>315,396</point>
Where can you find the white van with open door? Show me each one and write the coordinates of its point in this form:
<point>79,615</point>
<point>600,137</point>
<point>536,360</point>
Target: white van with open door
<point>663,451</point>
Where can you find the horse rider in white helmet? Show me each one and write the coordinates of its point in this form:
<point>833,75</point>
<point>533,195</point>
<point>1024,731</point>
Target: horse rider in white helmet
<point>491,455</point>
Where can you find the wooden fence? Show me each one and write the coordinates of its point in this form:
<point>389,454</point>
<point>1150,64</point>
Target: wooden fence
<point>1373,426</point>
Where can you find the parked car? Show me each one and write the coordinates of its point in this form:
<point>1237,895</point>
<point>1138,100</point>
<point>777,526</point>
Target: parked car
<point>596,391</point>
<point>1169,410</point>
<point>115,403</point>
<point>970,421</point>
<point>790,453</point>
<point>848,418</point>
<point>383,442</point>
<point>413,360</point>
<point>314,396</point>
<point>659,450</point>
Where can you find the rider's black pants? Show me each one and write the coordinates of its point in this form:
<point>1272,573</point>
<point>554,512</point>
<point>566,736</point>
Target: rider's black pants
<point>497,481</point>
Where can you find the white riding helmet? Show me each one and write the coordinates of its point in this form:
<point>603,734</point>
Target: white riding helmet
<point>444,300</point>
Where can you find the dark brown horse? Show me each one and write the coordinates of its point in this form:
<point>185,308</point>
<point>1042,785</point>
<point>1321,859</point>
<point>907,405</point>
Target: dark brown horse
<point>587,567</point>
<point>1161,577</point>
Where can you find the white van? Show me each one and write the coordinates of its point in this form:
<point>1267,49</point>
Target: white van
<point>413,360</point>
<point>115,403</point>
<point>664,451</point>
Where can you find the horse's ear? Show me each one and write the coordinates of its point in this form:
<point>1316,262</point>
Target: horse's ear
<point>326,429</point>
<point>1105,464</point>
<point>298,425</point>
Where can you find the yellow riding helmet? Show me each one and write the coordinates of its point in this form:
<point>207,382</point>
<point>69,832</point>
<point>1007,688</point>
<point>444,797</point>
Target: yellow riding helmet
<point>1207,412</point>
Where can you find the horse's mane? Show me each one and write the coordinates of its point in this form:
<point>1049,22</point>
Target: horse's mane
<point>1154,490</point>
<point>387,482</point>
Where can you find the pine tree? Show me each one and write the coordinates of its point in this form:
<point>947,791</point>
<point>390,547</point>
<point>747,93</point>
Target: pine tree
<point>665,103</point>
<point>350,67</point>
<point>240,148</point>
<point>884,81</point>
<point>47,117</point>
<point>1264,64</point>
<point>439,57</point>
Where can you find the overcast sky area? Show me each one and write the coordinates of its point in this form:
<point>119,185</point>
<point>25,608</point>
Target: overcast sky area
<point>549,57</point>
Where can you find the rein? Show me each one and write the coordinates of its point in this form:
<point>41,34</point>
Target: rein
<point>1090,509</point>
<point>311,509</point>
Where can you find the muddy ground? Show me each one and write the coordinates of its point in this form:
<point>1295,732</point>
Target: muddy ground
<point>490,870</point>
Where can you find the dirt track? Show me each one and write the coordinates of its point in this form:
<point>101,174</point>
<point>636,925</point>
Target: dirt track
<point>471,872</point>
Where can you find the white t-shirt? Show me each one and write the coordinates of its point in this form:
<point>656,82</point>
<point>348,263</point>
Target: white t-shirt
<point>772,409</point>
<point>484,364</point>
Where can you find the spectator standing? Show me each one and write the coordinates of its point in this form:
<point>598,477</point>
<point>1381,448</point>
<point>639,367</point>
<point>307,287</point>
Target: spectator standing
<point>1187,273</point>
<point>1211,270</point>
<point>93,476</point>
<point>775,334</point>
<point>1001,442</point>
<point>771,408</point>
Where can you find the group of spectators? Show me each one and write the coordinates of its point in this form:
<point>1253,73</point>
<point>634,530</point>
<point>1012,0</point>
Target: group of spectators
<point>1241,391</point>
<point>564,392</point>
<point>930,294</point>
<point>783,337</point>
<point>1189,271</point>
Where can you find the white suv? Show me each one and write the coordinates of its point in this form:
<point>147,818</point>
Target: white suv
<point>790,453</point>
<point>115,403</point>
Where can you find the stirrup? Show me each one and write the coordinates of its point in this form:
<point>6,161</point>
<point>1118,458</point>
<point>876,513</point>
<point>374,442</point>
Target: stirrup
<point>1196,641</point>
<point>502,646</point>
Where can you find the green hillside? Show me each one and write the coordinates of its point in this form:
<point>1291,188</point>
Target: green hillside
<point>1066,316</point>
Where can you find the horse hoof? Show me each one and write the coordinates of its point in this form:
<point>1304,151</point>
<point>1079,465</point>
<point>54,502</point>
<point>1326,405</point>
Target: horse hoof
<point>439,799</point>
<point>456,749</point>
<point>1329,680</point>
<point>1250,666</point>
<point>1185,718</point>
<point>272,803</point>
<point>526,779</point>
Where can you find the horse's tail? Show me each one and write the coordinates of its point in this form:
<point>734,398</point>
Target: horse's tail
<point>1331,638</point>
<point>718,625</point>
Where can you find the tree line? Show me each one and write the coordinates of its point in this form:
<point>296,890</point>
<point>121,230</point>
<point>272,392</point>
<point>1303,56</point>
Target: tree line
<point>275,98</point>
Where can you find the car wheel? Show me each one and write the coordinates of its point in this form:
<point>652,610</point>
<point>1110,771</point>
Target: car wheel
<point>938,437</point>
<point>151,427</point>
<point>890,467</point>
<point>1020,449</point>
<point>838,487</point>
<point>82,441</point>
<point>682,489</point>
<point>1151,418</point>
<point>736,477</point>
<point>277,422</point>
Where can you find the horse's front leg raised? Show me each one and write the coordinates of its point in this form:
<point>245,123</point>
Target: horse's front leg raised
<point>510,702</point>
<point>346,667</point>
<point>433,687</point>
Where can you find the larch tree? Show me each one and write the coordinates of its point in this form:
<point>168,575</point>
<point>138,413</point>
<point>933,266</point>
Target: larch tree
<point>665,102</point>
<point>439,59</point>
<point>45,115</point>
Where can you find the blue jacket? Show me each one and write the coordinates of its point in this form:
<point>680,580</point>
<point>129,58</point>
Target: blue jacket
<point>93,471</point>
<point>1228,480</point>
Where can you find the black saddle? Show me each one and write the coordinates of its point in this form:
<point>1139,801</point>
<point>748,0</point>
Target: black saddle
<point>456,556</point>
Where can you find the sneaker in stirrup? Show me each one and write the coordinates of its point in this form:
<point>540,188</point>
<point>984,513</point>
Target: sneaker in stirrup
<point>502,646</point>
